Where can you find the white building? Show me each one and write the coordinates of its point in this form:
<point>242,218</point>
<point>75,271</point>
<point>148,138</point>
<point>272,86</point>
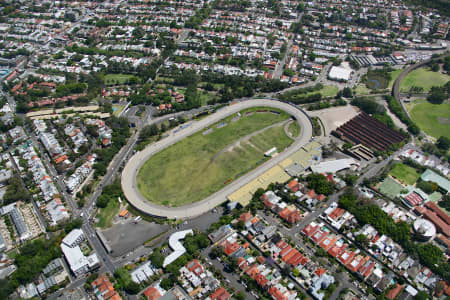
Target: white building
<point>78,262</point>
<point>339,74</point>
<point>176,245</point>
<point>74,238</point>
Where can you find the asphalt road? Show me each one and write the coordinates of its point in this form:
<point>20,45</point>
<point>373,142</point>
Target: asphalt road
<point>135,198</point>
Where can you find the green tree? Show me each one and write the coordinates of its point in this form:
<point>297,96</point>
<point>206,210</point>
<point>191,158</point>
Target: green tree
<point>443,143</point>
<point>157,259</point>
<point>422,295</point>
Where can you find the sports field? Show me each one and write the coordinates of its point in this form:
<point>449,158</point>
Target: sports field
<point>434,119</point>
<point>423,77</point>
<point>390,187</point>
<point>111,79</point>
<point>205,162</point>
<point>405,174</point>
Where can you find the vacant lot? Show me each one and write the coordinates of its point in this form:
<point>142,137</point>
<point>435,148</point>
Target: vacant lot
<point>106,215</point>
<point>202,164</point>
<point>424,78</point>
<point>434,119</point>
<point>405,174</point>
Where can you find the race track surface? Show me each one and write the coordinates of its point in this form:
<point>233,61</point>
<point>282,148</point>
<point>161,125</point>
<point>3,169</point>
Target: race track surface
<point>130,171</point>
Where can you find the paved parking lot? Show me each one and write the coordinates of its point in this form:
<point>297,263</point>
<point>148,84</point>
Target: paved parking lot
<point>127,236</point>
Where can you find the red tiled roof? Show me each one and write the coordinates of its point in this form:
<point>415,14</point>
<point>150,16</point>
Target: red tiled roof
<point>245,216</point>
<point>328,242</point>
<point>309,230</point>
<point>311,194</point>
<point>441,226</point>
<point>220,294</point>
<point>293,185</point>
<point>320,271</point>
<point>439,212</point>
<point>336,213</point>
<point>394,292</point>
<point>318,236</point>
<point>231,248</point>
<point>345,256</point>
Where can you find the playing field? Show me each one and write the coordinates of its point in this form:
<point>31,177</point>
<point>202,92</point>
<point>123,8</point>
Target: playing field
<point>434,119</point>
<point>327,91</point>
<point>423,77</point>
<point>111,79</point>
<point>205,162</point>
<point>390,187</point>
<point>405,174</point>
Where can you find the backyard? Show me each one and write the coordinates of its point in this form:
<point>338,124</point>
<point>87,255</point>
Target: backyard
<point>203,163</point>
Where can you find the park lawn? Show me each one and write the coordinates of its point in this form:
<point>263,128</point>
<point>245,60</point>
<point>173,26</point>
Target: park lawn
<point>426,115</point>
<point>394,76</point>
<point>362,89</point>
<point>196,167</point>
<point>294,129</point>
<point>326,91</point>
<point>405,174</point>
<point>105,215</point>
<point>423,77</point>
<point>118,109</point>
<point>111,79</point>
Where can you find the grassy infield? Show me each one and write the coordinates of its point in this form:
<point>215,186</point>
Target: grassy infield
<point>191,170</point>
<point>423,113</point>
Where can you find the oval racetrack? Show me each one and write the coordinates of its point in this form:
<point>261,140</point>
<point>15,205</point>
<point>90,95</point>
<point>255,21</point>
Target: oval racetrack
<point>129,173</point>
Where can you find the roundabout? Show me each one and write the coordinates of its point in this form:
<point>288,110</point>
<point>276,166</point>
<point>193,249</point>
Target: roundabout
<point>130,172</point>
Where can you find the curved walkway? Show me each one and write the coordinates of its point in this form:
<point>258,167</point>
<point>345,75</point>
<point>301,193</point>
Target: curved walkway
<point>129,173</point>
